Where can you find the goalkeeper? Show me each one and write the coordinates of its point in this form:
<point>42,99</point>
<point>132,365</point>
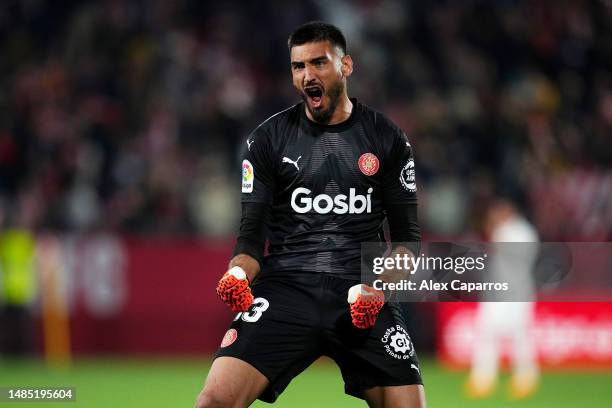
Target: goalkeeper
<point>318,180</point>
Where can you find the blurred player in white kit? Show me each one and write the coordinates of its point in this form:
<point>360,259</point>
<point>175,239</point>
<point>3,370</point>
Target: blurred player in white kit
<point>512,320</point>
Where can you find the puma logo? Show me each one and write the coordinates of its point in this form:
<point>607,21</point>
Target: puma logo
<point>288,160</point>
<point>416,368</point>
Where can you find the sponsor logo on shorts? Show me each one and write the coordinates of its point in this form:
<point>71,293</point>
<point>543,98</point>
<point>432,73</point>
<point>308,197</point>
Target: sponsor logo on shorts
<point>407,178</point>
<point>230,337</point>
<point>368,164</point>
<point>248,176</point>
<point>397,343</point>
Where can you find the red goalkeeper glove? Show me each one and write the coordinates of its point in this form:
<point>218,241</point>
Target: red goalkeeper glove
<point>234,290</point>
<point>366,303</point>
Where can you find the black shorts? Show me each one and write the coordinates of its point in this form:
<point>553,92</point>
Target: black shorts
<point>294,321</point>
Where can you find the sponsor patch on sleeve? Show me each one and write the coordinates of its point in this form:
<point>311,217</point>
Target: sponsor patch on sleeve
<point>407,178</point>
<point>248,176</point>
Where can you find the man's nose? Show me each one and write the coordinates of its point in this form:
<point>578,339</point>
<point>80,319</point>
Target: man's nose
<point>308,75</point>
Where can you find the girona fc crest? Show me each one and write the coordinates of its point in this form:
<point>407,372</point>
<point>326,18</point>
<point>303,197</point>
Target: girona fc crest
<point>230,337</point>
<point>368,164</point>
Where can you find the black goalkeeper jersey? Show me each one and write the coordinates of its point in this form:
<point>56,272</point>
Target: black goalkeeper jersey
<point>327,187</point>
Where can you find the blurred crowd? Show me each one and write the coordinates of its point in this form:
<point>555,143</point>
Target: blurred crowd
<point>129,116</point>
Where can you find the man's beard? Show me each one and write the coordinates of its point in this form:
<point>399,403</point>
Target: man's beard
<point>324,116</point>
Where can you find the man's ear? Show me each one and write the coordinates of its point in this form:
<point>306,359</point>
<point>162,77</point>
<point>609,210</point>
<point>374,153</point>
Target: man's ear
<point>347,66</point>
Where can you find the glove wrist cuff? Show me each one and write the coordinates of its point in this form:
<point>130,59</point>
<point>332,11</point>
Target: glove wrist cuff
<point>238,273</point>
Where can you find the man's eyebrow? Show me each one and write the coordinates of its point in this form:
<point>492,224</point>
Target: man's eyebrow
<point>312,60</point>
<point>318,59</point>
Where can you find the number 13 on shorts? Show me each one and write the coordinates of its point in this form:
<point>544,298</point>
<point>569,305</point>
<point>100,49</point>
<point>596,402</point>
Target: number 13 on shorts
<point>252,315</point>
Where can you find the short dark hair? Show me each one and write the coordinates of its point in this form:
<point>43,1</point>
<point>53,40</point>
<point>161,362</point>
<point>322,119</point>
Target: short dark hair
<point>315,31</point>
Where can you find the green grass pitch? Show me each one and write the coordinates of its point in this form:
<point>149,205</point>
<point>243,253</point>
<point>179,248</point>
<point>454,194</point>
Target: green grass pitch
<point>165,383</point>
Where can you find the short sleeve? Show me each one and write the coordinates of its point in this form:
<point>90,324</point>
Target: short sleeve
<point>258,169</point>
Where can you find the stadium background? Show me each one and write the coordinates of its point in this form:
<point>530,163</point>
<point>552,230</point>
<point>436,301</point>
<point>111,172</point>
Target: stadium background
<point>120,127</point>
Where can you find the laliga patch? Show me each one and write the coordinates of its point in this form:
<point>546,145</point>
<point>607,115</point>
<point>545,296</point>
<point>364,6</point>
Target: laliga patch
<point>230,337</point>
<point>397,343</point>
<point>248,176</point>
<point>407,178</point>
<point>368,164</point>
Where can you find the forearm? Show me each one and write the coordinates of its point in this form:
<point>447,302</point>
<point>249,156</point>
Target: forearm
<point>395,275</point>
<point>406,237</point>
<point>404,227</point>
<point>249,249</point>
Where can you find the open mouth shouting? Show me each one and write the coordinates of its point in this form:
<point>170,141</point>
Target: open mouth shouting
<point>314,96</point>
